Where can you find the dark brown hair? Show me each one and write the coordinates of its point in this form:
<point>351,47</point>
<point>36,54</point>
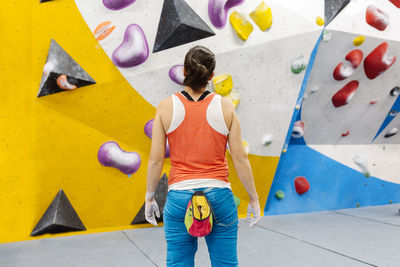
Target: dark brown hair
<point>199,65</point>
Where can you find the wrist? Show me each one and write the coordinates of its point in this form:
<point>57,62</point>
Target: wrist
<point>149,196</point>
<point>254,198</point>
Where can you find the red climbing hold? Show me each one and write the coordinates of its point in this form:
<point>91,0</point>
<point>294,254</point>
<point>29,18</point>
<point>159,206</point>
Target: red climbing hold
<point>301,185</point>
<point>345,134</point>
<point>376,18</point>
<point>344,95</point>
<point>355,58</point>
<point>395,2</point>
<point>377,62</point>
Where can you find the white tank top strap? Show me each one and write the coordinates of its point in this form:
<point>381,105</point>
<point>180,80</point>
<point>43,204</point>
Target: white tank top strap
<point>215,116</point>
<point>178,113</point>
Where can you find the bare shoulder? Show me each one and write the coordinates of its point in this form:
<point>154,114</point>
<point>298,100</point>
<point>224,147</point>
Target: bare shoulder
<point>165,104</point>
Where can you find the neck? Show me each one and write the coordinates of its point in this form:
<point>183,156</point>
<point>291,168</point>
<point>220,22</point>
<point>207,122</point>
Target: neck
<point>195,93</point>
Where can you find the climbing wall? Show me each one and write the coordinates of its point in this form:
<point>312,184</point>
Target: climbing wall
<point>97,70</point>
<point>348,146</point>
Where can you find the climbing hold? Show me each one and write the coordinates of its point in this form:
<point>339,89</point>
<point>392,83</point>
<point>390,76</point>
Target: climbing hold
<point>60,217</point>
<point>391,133</point>
<point>279,194</point>
<point>333,8</point>
<point>390,201</point>
<point>358,205</point>
<point>160,196</point>
<point>395,91</point>
<point>103,30</point>
<point>176,74</point>
<point>63,83</point>
<point>320,21</point>
<point>297,107</point>
<point>373,102</point>
<point>326,36</point>
<point>237,200</point>
<point>133,50</point>
<point>359,40</point>
<point>262,16</point>
<point>222,84</point>
<point>60,63</point>
<point>234,97</point>
<point>314,89</point>
<point>241,25</point>
<point>148,130</point>
<point>344,95</point>
<point>394,110</point>
<point>393,113</point>
<point>218,11</point>
<point>377,62</point>
<point>344,134</point>
<point>342,72</point>
<point>354,59</point>
<point>376,18</point>
<point>285,148</point>
<point>298,129</point>
<point>246,147</point>
<point>117,4</point>
<point>299,64</point>
<point>267,140</point>
<point>396,3</point>
<point>111,155</point>
<point>362,163</point>
<point>179,25</point>
<point>301,185</point>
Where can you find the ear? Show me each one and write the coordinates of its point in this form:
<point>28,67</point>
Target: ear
<point>211,76</point>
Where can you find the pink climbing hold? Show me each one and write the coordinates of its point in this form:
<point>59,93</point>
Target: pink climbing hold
<point>301,185</point>
<point>378,61</point>
<point>342,72</point>
<point>148,130</point>
<point>344,95</point>
<point>376,18</point>
<point>218,11</point>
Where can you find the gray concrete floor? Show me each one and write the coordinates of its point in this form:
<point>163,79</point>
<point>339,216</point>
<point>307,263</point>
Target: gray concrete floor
<point>353,237</point>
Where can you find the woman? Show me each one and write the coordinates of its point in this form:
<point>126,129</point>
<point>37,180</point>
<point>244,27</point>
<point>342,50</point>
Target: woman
<point>198,125</point>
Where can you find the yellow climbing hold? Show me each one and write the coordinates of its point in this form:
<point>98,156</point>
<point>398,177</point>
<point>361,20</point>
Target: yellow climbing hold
<point>241,25</point>
<point>246,147</point>
<point>222,84</point>
<point>262,16</point>
<point>234,97</point>
<point>358,40</point>
<point>320,21</point>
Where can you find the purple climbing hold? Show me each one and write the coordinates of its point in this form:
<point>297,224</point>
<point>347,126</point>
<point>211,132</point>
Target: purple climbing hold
<point>176,74</point>
<point>218,11</point>
<point>111,155</point>
<point>117,4</point>
<point>148,130</point>
<point>134,49</point>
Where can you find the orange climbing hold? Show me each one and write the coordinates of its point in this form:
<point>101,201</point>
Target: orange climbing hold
<point>301,185</point>
<point>63,83</point>
<point>103,30</point>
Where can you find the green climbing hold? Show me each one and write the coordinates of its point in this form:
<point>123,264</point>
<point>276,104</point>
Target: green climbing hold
<point>367,174</point>
<point>279,194</point>
<point>237,200</point>
<point>299,64</point>
<point>390,201</point>
<point>358,205</point>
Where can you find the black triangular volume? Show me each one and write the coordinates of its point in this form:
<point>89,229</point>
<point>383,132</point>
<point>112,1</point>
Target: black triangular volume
<point>334,7</point>
<point>160,196</point>
<point>42,1</point>
<point>60,217</point>
<point>60,63</point>
<point>179,25</point>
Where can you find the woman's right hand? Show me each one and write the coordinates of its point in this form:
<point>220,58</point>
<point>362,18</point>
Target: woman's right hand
<point>151,209</point>
<point>253,209</point>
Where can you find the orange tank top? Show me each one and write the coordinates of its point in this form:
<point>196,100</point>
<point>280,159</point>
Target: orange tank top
<point>197,150</point>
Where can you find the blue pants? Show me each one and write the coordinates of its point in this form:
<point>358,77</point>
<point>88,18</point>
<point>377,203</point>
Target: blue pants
<point>221,242</point>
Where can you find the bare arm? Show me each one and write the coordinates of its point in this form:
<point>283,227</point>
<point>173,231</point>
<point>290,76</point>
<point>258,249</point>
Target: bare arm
<point>157,153</point>
<point>239,158</point>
